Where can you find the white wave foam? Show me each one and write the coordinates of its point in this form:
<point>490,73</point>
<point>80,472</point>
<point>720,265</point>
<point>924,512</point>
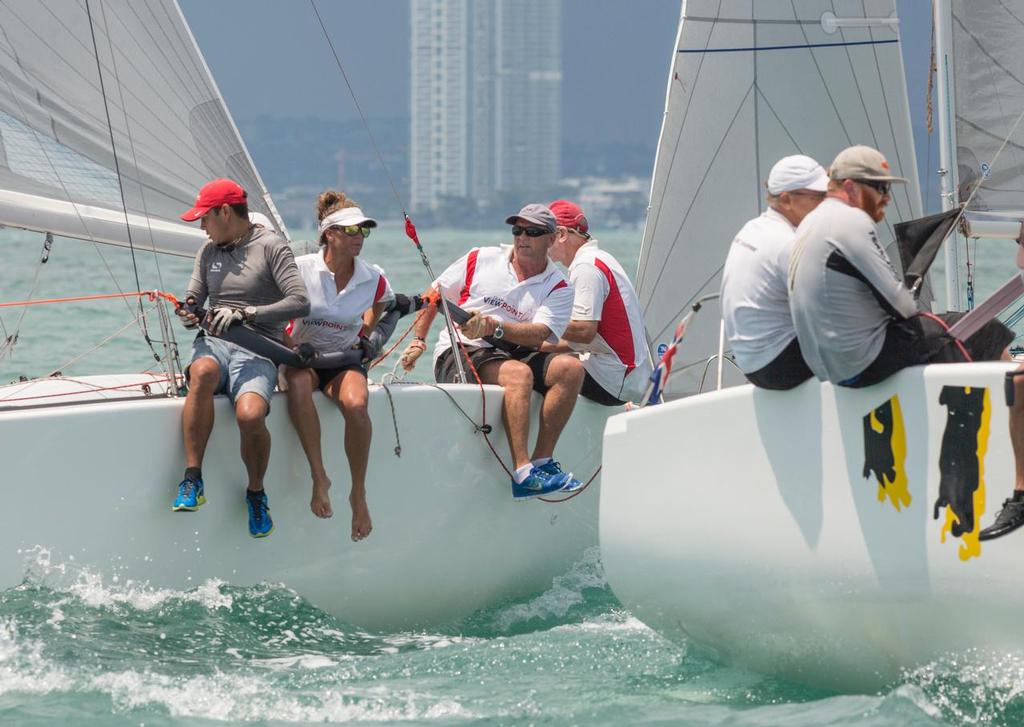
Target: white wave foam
<point>566,591</point>
<point>973,687</point>
<point>249,698</point>
<point>93,589</point>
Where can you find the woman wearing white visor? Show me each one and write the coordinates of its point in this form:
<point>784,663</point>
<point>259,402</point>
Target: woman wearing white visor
<point>347,298</point>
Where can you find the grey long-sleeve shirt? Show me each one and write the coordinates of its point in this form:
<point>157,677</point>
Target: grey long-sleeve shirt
<point>843,291</point>
<point>259,271</point>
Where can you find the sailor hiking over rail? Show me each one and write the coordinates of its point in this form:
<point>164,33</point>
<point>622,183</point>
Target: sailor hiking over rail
<point>246,273</point>
<point>519,299</point>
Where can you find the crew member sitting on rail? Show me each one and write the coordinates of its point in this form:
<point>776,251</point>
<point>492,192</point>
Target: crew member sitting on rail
<point>607,326</point>
<point>347,298</point>
<point>755,287</point>
<point>856,322</point>
<point>516,296</point>
<point>246,273</point>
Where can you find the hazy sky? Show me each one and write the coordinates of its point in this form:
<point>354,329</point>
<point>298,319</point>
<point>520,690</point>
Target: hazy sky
<point>270,58</point>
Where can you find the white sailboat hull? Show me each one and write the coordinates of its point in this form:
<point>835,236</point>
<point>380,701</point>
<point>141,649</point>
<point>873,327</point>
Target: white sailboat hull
<point>742,520</point>
<point>90,486</point>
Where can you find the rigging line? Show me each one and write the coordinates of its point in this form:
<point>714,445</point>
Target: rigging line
<point>135,158</point>
<point>824,84</point>
<point>892,130</point>
<point>642,266</point>
<point>797,46</point>
<point>366,124</point>
<point>782,124</point>
<point>757,119</point>
<point>117,171</point>
<point>696,193</point>
<point>675,317</point>
<point>11,339</point>
<point>49,161</point>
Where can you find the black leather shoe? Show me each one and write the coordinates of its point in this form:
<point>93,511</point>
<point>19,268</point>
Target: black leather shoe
<point>1009,519</point>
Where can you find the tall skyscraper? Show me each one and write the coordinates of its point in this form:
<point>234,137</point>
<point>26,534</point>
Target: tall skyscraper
<point>486,98</point>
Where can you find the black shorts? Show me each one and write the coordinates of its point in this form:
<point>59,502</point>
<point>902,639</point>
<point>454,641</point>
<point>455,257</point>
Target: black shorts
<point>923,340</point>
<point>597,393</point>
<point>784,372</point>
<point>326,376</point>
<point>445,371</point>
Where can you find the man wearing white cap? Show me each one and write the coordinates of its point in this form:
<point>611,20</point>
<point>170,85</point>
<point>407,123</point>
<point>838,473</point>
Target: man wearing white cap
<point>856,322</point>
<point>755,291</point>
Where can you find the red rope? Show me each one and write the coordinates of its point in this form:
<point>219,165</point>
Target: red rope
<point>151,294</point>
<point>960,345</point>
<point>397,344</point>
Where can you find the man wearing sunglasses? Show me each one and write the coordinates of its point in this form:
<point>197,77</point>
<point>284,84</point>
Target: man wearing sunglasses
<point>516,296</point>
<point>856,322</point>
<point>607,326</point>
<point>244,273</point>
<point>755,279</point>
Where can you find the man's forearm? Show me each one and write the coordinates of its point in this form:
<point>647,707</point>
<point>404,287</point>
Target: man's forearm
<point>526,334</point>
<point>580,331</point>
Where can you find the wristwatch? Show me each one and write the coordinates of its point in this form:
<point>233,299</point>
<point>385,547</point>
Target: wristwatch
<point>499,331</point>
<point>249,314</point>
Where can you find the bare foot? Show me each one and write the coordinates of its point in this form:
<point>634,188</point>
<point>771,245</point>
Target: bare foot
<point>320,504</point>
<point>361,524</point>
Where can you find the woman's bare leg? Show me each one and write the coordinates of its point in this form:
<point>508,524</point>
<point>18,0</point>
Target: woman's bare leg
<point>351,393</point>
<point>301,385</point>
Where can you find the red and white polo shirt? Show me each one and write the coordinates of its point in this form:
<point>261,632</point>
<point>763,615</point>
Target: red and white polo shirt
<point>618,358</point>
<point>483,279</point>
<point>335,317</point>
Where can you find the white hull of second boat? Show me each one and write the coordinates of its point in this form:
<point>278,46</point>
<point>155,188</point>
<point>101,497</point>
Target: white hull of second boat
<point>89,486</point>
<point>753,524</point>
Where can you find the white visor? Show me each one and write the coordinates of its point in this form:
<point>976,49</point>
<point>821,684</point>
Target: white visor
<point>346,217</point>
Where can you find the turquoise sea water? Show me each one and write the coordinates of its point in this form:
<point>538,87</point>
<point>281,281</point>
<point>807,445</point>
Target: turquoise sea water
<point>78,649</point>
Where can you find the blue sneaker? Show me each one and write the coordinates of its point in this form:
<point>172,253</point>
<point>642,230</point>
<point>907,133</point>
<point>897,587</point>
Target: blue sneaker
<point>260,523</point>
<point>190,496</point>
<point>554,469</point>
<point>537,483</point>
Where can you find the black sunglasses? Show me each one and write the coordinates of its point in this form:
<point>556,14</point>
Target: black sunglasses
<point>883,188</point>
<point>528,231</point>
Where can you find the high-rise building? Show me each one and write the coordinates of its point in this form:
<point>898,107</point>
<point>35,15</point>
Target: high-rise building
<point>486,79</point>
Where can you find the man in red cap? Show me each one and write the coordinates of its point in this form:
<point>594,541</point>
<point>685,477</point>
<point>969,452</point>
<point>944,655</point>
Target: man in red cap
<point>244,273</point>
<point>607,326</point>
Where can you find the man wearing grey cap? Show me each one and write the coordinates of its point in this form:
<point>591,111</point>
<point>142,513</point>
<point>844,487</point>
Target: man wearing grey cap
<point>516,296</point>
<point>856,322</point>
<point>755,290</point>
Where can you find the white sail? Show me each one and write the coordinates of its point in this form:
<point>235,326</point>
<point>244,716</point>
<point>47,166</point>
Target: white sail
<point>81,79</point>
<point>751,83</point>
<point>988,82</point>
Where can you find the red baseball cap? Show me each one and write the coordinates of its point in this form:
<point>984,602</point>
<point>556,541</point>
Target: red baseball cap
<point>570,215</point>
<point>214,194</point>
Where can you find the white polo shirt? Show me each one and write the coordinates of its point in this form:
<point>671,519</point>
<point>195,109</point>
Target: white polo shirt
<point>483,279</point>
<point>335,317</point>
<point>617,358</point>
<point>755,291</point>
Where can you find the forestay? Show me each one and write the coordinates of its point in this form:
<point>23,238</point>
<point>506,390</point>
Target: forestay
<point>171,129</point>
<point>751,83</point>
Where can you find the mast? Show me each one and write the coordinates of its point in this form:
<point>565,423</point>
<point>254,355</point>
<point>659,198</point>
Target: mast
<point>948,178</point>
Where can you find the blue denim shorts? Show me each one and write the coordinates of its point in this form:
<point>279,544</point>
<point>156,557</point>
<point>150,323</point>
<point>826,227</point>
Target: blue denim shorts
<point>241,371</point>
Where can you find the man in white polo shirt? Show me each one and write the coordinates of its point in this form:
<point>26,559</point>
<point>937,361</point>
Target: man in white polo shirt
<point>755,279</point>
<point>517,296</point>
<point>607,325</point>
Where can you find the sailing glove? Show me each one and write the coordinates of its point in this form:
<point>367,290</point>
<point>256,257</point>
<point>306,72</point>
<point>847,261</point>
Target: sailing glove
<point>477,326</point>
<point>223,318</point>
<point>412,353</point>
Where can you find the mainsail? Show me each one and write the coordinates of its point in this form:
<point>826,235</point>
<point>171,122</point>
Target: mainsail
<point>751,83</point>
<point>94,91</point>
